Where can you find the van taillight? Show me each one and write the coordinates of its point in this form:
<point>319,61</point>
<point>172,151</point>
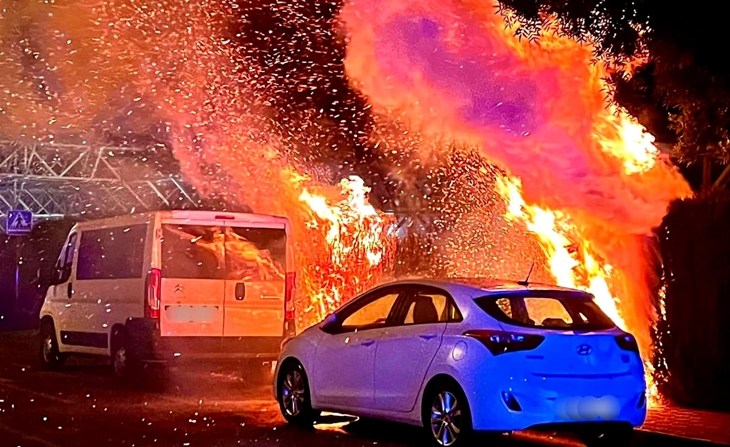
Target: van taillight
<point>153,293</point>
<point>289,313</point>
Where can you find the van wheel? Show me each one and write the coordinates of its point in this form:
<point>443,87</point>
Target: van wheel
<point>295,402</point>
<point>446,415</point>
<point>125,369</point>
<point>50,356</point>
<point>257,371</point>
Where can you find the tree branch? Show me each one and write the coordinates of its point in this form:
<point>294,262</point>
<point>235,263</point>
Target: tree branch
<point>724,178</point>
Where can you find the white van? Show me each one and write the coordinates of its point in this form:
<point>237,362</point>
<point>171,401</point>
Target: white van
<point>171,286</point>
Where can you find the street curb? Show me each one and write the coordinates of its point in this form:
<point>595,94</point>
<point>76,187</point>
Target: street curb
<point>643,437</point>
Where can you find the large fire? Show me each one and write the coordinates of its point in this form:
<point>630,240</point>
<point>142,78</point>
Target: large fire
<point>583,179</point>
<point>357,250</point>
<point>582,175</point>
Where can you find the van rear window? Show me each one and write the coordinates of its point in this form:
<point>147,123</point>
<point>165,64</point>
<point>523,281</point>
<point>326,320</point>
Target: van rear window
<point>549,311</point>
<point>219,252</point>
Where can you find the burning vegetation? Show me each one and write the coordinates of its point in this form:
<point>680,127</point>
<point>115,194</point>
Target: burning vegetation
<point>511,150</point>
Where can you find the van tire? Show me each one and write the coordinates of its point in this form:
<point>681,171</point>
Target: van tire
<point>125,368</point>
<point>51,358</point>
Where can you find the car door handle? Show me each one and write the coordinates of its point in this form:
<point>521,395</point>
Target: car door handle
<point>368,343</point>
<point>70,289</point>
<point>427,337</point>
<point>240,291</point>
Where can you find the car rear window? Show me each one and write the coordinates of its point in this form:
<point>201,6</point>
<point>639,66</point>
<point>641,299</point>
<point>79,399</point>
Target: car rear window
<point>549,311</point>
<point>219,252</point>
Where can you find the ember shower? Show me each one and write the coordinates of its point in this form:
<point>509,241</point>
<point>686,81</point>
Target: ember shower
<point>582,174</point>
<point>273,125</point>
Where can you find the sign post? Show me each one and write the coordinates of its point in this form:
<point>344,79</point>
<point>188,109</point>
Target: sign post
<point>19,223</point>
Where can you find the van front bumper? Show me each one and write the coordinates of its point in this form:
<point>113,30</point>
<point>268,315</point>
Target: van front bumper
<point>145,345</point>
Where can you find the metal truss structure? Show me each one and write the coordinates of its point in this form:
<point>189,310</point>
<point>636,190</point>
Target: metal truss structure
<point>84,181</point>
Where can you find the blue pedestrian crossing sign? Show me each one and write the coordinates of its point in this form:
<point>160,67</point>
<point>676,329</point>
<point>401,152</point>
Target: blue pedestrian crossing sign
<point>18,223</point>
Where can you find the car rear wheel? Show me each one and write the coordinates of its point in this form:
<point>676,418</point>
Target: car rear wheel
<point>446,415</point>
<point>50,356</point>
<point>294,399</point>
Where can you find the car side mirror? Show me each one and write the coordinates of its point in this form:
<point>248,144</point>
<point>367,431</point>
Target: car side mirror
<point>330,324</point>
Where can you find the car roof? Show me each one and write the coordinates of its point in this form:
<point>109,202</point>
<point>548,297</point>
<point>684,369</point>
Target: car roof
<point>486,286</point>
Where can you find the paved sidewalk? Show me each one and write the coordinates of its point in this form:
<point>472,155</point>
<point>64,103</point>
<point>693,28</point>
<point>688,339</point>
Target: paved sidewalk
<point>699,425</point>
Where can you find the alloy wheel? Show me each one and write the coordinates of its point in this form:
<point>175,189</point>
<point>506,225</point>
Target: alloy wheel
<point>293,393</point>
<point>446,420</point>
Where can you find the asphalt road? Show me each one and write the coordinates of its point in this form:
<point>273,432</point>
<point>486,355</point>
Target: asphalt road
<point>85,406</point>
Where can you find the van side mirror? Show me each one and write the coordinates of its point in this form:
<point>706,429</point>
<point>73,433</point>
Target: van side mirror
<point>330,324</point>
<point>45,277</point>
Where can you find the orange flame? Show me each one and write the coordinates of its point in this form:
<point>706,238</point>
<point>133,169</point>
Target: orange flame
<point>357,248</point>
<point>582,175</point>
<point>552,228</point>
<point>585,179</point>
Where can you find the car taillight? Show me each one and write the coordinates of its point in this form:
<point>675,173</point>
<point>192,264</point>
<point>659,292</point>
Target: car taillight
<point>502,342</point>
<point>627,342</point>
<point>289,313</point>
<point>153,292</point>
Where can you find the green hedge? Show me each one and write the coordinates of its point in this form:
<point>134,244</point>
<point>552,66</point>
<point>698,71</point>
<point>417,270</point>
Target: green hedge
<point>695,247</point>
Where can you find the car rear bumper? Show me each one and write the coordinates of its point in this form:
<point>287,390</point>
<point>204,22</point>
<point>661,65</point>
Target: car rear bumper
<point>541,401</point>
<point>146,345</point>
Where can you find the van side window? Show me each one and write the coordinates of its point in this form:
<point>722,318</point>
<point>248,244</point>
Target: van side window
<point>65,261</point>
<point>112,253</point>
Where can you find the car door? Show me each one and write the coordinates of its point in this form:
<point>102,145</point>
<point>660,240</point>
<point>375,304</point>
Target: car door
<point>343,367</point>
<point>407,348</point>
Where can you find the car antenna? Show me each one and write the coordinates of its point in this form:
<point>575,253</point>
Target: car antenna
<point>527,280</point>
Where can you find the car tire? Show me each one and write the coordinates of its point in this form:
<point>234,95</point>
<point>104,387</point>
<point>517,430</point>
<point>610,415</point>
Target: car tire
<point>446,415</point>
<point>293,395</point>
<point>609,437</point>
<point>125,369</point>
<point>50,357</point>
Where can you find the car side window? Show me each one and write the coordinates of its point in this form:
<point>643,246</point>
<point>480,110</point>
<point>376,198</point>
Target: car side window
<point>372,315</point>
<point>427,305</point>
<point>425,308</point>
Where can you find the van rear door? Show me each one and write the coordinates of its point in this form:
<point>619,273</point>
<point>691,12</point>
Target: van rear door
<point>255,286</point>
<point>193,279</point>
